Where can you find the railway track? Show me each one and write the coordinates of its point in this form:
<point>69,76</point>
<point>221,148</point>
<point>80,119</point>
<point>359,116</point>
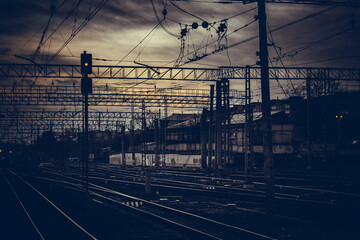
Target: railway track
<point>47,220</point>
<point>196,225</point>
<point>213,198</point>
<point>234,185</point>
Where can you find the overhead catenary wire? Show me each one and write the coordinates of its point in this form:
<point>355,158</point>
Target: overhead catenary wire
<point>324,60</point>
<point>183,10</point>
<point>256,36</point>
<point>52,13</point>
<point>52,8</point>
<point>126,55</point>
<point>82,25</point>
<point>205,1</point>
<point>278,54</point>
<point>312,44</point>
<point>160,21</point>
<point>214,41</point>
<point>354,3</point>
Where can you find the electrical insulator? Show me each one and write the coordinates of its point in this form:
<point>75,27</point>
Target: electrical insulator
<point>223,25</point>
<point>205,24</point>
<point>195,25</point>
<point>183,32</point>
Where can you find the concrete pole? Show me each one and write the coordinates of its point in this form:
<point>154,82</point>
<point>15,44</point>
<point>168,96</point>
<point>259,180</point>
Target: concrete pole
<point>211,129</point>
<point>86,142</point>
<point>266,112</point>
<point>157,138</point>
<point>203,138</point>
<point>123,145</point>
<point>309,140</point>
<point>132,133</point>
<point>218,127</point>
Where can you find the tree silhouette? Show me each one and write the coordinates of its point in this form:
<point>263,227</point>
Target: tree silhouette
<point>320,85</point>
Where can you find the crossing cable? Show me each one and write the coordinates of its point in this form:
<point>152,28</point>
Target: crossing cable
<point>27,42</point>
<point>302,48</point>
<point>274,30</point>
<point>107,70</point>
<point>220,49</point>
<point>183,10</point>
<point>23,207</point>
<point>160,21</point>
<point>82,25</point>
<point>271,38</point>
<point>323,60</point>
<point>44,32</point>
<point>65,18</point>
<point>42,42</point>
<point>181,54</point>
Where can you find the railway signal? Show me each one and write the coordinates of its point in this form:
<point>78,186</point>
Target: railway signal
<point>86,63</point>
<point>86,88</point>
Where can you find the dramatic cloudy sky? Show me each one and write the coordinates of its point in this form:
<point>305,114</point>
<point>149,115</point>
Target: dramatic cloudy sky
<point>125,31</point>
<point>120,25</point>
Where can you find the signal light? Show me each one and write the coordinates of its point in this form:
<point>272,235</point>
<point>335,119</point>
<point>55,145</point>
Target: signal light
<point>86,63</point>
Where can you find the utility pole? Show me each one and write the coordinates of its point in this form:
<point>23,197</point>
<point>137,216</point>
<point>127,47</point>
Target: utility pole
<point>132,133</point>
<point>266,112</point>
<point>203,138</point>
<point>309,140</point>
<point>248,149</point>
<point>157,139</point>
<point>143,120</point>
<point>86,88</point>
<point>218,129</point>
<point>123,163</point>
<point>211,130</point>
<point>165,131</point>
<point>226,130</point>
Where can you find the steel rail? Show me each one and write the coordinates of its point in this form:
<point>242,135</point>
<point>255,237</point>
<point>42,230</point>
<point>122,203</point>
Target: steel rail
<point>110,191</point>
<point>52,204</point>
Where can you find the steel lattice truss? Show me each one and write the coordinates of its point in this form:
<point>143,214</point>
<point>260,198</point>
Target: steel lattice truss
<point>168,73</point>
<point>108,72</point>
<point>295,73</point>
<point>28,125</point>
<point>103,96</point>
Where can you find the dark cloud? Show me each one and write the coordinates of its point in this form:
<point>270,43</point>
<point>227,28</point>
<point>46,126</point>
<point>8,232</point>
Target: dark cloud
<point>121,25</point>
<point>20,16</point>
<point>5,51</point>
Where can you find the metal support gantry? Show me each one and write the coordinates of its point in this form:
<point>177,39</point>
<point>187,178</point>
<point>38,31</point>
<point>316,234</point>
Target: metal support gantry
<point>248,138</point>
<point>102,96</point>
<point>222,125</point>
<point>29,71</point>
<point>143,135</point>
<point>22,125</point>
